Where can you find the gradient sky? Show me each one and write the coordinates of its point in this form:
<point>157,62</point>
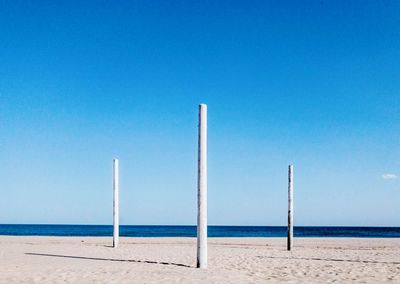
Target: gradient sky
<point>314,83</point>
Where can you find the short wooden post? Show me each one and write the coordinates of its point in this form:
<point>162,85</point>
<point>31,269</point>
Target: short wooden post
<point>290,209</point>
<point>202,189</point>
<point>116,205</point>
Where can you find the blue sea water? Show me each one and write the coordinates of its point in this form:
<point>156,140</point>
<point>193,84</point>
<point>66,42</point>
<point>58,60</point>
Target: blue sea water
<point>190,231</point>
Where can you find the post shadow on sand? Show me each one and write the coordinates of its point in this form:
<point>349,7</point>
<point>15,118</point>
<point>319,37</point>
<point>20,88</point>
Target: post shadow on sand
<point>110,259</point>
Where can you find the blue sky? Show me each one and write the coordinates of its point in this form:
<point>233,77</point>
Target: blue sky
<point>315,84</point>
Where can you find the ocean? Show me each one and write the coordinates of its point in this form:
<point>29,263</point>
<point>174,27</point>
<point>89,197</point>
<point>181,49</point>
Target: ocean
<point>190,231</point>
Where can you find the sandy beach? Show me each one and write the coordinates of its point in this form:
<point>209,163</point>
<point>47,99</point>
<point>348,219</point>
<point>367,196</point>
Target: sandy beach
<point>172,260</point>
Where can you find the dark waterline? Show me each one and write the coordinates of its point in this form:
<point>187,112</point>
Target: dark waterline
<point>190,231</point>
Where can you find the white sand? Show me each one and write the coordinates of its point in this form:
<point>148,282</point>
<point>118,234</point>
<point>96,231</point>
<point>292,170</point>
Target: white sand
<point>172,260</point>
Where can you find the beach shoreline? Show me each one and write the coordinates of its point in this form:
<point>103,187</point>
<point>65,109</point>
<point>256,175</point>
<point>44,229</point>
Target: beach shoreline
<point>38,259</point>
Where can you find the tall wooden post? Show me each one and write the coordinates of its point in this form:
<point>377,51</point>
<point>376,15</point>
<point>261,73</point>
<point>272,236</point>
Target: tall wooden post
<point>290,209</point>
<point>116,205</point>
<point>202,189</point>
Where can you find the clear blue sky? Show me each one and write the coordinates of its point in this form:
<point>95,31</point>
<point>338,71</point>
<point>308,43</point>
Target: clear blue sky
<point>314,83</point>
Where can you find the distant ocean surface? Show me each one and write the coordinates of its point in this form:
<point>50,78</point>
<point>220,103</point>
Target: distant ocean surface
<point>190,231</point>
